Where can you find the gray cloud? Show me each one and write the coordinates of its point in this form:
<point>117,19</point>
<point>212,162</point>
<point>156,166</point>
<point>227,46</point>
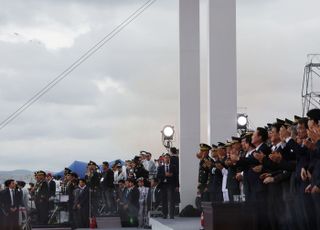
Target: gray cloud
<point>116,103</point>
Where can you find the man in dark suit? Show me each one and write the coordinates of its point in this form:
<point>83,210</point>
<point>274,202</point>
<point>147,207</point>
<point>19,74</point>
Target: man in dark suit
<point>121,201</point>
<point>42,198</point>
<point>81,205</point>
<point>131,206</point>
<point>107,187</point>
<point>10,206</point>
<point>169,182</point>
<point>52,190</point>
<point>155,193</point>
<point>254,165</point>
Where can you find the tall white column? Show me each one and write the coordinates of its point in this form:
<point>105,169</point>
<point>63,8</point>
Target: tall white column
<point>222,69</point>
<point>189,98</point>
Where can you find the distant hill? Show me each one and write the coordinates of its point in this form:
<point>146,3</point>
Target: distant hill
<point>20,174</point>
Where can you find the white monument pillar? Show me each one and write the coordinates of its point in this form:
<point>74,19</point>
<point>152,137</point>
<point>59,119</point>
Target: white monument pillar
<point>222,82</point>
<point>189,98</point>
<point>222,69</point>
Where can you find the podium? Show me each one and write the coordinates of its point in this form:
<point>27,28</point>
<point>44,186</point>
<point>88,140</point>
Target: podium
<point>229,215</point>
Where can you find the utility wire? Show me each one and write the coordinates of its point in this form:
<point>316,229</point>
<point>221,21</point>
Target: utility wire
<point>78,62</point>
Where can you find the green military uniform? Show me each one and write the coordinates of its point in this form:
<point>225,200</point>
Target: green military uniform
<point>204,171</point>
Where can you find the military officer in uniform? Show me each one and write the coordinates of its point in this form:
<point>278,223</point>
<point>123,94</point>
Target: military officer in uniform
<point>42,198</point>
<point>70,187</point>
<point>93,182</point>
<point>204,170</point>
<point>215,177</point>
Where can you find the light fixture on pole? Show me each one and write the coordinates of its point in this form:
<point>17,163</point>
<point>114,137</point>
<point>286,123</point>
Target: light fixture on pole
<point>242,122</point>
<point>167,136</point>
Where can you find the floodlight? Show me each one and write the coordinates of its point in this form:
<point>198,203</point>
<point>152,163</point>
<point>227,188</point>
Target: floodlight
<point>242,120</point>
<point>168,131</point>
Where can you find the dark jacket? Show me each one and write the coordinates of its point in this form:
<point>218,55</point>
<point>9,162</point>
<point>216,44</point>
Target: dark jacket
<point>172,180</point>
<point>5,200</point>
<point>82,198</point>
<point>52,188</point>
<point>132,200</point>
<point>42,193</point>
<point>157,196</point>
<point>108,179</point>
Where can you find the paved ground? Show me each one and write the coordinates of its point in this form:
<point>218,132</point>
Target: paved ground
<point>179,223</point>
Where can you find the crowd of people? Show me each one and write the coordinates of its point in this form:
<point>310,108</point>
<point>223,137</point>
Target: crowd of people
<point>276,168</point>
<point>129,190</point>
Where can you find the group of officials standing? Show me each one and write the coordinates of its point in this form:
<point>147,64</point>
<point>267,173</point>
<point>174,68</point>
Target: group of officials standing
<point>130,190</point>
<point>15,200</point>
<point>276,168</point>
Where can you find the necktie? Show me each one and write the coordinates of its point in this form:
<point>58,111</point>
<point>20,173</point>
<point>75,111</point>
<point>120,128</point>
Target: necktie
<point>12,197</point>
<point>167,168</point>
<point>153,195</point>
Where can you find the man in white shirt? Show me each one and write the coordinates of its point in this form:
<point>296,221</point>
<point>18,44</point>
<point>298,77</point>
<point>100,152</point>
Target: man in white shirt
<point>143,203</point>
<point>149,164</point>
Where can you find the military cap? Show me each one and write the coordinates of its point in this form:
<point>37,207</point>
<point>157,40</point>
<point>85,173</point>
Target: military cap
<point>214,146</point>
<point>314,114</point>
<point>276,125</point>
<point>68,173</point>
<point>92,163</point>
<point>221,145</point>
<point>105,163</point>
<point>75,175</point>
<point>288,122</point>
<point>247,134</point>
<point>143,152</point>
<point>296,118</point>
<point>41,173</point>
<point>166,155</point>
<point>236,139</point>
<point>268,127</point>
<point>140,179</point>
<point>204,146</point>
<point>280,121</point>
<point>67,170</point>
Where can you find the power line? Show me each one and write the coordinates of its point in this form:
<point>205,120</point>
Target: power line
<point>78,62</point>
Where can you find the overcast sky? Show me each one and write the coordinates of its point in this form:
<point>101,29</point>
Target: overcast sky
<point>116,103</point>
